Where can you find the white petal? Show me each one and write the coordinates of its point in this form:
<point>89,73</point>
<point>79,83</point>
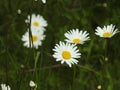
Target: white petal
<point>44,1</point>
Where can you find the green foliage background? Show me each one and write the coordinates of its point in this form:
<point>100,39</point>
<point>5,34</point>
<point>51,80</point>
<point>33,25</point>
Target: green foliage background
<point>17,62</point>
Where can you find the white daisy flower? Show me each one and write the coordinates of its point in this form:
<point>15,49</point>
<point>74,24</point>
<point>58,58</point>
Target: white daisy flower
<point>76,36</point>
<point>37,21</point>
<point>37,38</point>
<point>107,31</point>
<point>44,1</point>
<point>32,84</point>
<point>66,52</point>
<point>5,87</point>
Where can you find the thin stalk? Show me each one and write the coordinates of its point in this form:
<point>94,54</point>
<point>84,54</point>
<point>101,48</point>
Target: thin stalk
<point>6,70</point>
<point>35,64</point>
<point>36,59</point>
<point>106,48</point>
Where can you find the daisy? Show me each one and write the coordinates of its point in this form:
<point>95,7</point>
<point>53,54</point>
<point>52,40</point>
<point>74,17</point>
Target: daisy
<point>5,87</point>
<point>66,52</point>
<point>107,31</point>
<point>76,36</point>
<point>37,38</point>
<point>37,21</point>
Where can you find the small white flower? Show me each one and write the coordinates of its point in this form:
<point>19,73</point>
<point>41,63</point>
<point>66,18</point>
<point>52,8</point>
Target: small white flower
<point>66,52</point>
<point>37,22</point>
<point>44,1</point>
<point>37,38</point>
<point>5,87</point>
<point>33,85</point>
<point>76,36</point>
<point>107,31</point>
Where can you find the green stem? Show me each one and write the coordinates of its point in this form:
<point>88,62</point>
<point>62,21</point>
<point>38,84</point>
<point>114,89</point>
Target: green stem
<point>106,48</point>
<point>36,59</point>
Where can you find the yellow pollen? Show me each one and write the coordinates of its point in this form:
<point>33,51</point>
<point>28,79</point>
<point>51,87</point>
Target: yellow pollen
<point>76,40</point>
<point>66,54</point>
<point>107,34</point>
<point>34,38</point>
<point>36,24</point>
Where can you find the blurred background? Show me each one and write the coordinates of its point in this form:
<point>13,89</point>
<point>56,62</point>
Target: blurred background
<point>95,70</point>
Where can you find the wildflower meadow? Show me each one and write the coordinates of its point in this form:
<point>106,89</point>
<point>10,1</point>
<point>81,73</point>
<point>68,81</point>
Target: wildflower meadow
<point>59,44</point>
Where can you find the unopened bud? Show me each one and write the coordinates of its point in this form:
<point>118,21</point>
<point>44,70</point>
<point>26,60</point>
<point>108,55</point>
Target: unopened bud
<point>32,85</point>
<point>99,87</point>
<point>19,11</point>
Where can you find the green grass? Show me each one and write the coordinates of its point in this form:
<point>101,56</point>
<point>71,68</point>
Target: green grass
<point>19,65</point>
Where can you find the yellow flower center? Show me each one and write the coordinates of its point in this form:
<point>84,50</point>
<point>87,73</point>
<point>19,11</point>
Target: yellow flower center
<point>107,34</point>
<point>36,24</point>
<point>76,40</point>
<point>66,54</point>
<point>34,38</point>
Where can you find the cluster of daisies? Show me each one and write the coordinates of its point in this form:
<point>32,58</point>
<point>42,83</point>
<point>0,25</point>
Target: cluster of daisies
<point>35,34</point>
<point>68,51</point>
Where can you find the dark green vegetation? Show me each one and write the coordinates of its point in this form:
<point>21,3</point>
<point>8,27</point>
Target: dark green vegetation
<point>17,62</point>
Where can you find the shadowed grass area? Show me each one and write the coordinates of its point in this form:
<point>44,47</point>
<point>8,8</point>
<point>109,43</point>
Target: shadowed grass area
<point>99,63</point>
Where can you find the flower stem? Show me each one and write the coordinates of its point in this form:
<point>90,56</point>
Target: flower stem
<point>106,48</point>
